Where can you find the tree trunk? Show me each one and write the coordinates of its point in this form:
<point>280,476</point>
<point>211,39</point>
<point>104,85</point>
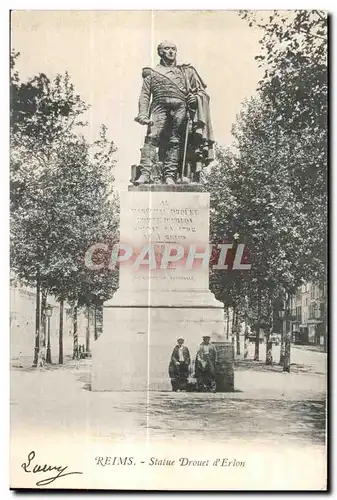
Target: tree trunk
<point>257,338</point>
<point>75,333</point>
<point>42,350</point>
<point>287,344</point>
<point>95,323</point>
<point>227,323</point>
<point>233,329</point>
<point>282,349</point>
<point>87,337</point>
<point>99,320</point>
<point>61,333</point>
<point>37,320</point>
<point>269,348</point>
<point>233,343</point>
<point>245,342</point>
<point>269,343</point>
<point>245,346</point>
<point>286,360</point>
<point>48,356</point>
<point>237,331</point>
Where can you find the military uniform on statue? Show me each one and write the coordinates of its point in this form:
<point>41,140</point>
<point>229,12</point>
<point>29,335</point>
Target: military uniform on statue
<point>175,106</point>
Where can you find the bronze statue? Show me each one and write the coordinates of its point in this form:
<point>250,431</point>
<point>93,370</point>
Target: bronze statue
<point>174,105</point>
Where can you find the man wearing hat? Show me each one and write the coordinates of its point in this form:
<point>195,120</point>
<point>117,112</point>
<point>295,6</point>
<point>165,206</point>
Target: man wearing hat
<point>179,366</point>
<point>205,363</point>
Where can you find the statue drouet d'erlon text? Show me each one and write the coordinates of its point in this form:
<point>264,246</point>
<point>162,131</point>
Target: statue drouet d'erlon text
<point>174,105</point>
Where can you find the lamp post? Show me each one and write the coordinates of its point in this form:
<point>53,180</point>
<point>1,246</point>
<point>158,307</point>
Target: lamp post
<point>49,312</point>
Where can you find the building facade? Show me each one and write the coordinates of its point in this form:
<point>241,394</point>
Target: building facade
<point>22,324</point>
<point>309,314</point>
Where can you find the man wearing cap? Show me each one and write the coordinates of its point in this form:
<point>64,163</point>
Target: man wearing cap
<point>205,363</point>
<point>179,366</point>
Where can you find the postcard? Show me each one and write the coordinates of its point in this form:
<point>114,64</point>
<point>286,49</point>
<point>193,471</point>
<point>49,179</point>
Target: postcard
<point>168,206</point>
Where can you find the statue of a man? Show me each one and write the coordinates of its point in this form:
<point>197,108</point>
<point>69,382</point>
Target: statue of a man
<point>175,106</point>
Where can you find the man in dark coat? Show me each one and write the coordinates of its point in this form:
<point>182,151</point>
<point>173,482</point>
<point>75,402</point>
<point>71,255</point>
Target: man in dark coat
<point>205,366</point>
<point>179,366</point>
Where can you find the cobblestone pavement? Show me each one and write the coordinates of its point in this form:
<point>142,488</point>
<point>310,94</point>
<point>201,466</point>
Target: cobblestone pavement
<point>267,406</point>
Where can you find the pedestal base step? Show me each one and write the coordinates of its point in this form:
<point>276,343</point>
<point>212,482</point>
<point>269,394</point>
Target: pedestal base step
<point>134,351</point>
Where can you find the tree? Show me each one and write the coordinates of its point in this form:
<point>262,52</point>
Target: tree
<point>256,186</point>
<point>229,285</point>
<point>61,192</point>
<point>44,115</point>
<point>88,214</point>
<point>270,187</point>
<point>294,56</point>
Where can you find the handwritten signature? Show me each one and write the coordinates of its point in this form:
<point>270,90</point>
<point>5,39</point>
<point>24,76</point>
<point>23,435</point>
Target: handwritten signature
<point>35,469</point>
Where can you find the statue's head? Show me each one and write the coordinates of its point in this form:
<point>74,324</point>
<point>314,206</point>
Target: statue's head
<point>167,51</point>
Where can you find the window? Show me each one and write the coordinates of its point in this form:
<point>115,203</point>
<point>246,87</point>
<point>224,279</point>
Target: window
<point>312,308</point>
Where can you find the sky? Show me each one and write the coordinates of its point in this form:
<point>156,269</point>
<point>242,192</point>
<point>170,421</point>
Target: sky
<point>105,51</point>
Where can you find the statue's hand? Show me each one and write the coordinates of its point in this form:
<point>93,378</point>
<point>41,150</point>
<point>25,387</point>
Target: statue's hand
<point>191,100</point>
<point>143,120</point>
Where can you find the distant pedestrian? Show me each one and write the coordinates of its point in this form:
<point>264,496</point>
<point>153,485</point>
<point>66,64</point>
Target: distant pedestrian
<point>205,363</point>
<point>179,366</point>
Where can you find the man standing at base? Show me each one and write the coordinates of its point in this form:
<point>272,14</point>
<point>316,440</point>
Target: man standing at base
<point>179,366</point>
<point>205,364</point>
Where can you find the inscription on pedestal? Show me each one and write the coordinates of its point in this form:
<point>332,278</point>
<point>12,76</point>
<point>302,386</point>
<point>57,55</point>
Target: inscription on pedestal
<point>165,224</point>
<point>159,219</point>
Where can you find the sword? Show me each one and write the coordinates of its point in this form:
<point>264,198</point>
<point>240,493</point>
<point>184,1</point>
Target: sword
<point>185,148</point>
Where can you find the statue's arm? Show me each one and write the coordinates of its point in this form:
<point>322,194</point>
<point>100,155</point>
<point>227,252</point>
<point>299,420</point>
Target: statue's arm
<point>144,102</point>
<point>195,87</point>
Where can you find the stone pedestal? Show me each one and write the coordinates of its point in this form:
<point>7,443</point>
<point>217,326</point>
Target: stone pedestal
<point>154,306</point>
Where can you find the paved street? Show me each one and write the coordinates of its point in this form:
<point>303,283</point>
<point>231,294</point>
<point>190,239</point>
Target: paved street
<point>267,405</point>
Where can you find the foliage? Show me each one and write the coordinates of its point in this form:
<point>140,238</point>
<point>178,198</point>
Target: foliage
<point>270,188</point>
<point>62,198</point>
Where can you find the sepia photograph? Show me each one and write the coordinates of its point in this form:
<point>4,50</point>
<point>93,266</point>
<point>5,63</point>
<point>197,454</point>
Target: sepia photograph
<point>168,250</point>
